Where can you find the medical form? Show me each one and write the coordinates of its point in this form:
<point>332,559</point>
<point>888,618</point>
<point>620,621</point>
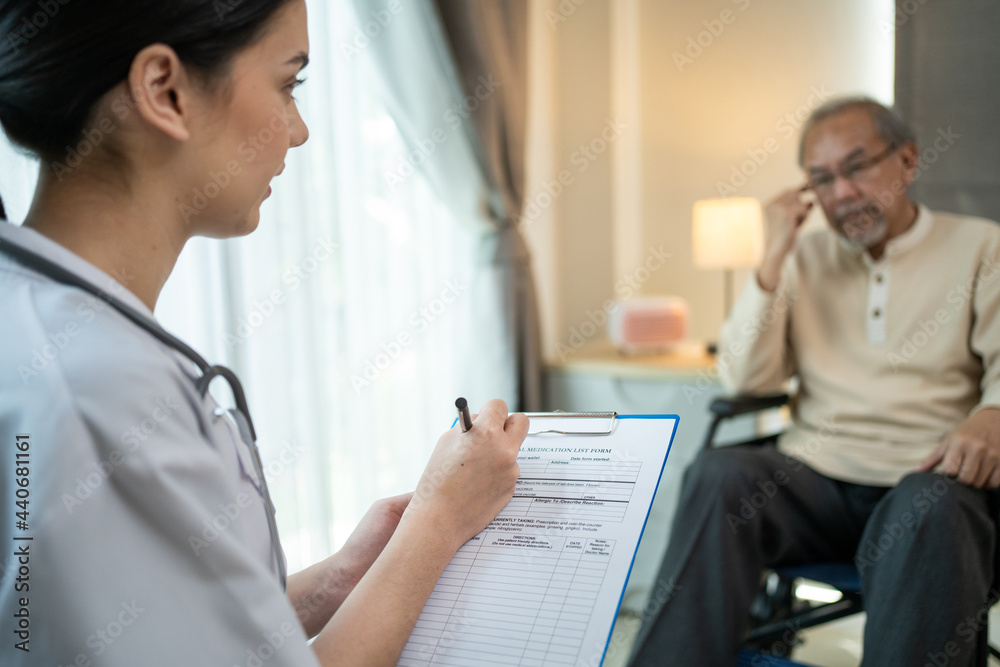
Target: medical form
<point>541,585</point>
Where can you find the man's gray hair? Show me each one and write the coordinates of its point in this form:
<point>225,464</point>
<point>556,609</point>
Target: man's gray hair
<point>889,126</point>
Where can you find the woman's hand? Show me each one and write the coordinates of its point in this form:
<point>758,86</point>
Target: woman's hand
<point>373,533</point>
<point>468,480</point>
<point>318,591</point>
<point>470,476</point>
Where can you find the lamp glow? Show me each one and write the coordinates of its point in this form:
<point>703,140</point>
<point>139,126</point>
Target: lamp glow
<point>727,233</point>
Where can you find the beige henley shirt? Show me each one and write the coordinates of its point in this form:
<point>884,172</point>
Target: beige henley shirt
<point>891,354</point>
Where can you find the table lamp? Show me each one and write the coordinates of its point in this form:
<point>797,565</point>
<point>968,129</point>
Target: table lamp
<point>727,234</point>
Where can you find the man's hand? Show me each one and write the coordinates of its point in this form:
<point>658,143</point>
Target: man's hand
<point>971,452</point>
<point>784,216</point>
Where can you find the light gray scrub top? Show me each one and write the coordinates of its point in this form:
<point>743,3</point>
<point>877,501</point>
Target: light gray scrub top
<point>150,543</point>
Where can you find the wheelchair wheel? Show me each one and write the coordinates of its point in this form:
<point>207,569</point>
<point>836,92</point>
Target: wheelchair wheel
<point>775,602</point>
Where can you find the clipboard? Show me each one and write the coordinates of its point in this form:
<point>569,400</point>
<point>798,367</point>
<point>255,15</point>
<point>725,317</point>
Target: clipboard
<point>543,583</point>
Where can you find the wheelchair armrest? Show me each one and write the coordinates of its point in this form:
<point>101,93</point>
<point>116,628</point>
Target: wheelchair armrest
<point>727,407</point>
<point>733,406</point>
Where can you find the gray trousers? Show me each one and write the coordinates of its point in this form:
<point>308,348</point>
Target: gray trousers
<point>926,551</point>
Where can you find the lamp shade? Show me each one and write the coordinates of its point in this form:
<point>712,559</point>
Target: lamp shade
<point>727,233</point>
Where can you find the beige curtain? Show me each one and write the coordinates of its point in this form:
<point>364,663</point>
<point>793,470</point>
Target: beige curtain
<point>488,41</point>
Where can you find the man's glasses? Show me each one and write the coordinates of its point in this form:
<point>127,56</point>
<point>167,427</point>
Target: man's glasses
<point>853,171</point>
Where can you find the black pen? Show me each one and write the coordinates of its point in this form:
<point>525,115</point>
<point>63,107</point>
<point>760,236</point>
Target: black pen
<point>464,418</point>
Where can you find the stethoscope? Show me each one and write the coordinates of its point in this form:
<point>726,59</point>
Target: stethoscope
<point>208,373</point>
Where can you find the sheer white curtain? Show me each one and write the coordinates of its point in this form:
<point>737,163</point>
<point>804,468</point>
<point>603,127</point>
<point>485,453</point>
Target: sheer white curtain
<point>366,301</point>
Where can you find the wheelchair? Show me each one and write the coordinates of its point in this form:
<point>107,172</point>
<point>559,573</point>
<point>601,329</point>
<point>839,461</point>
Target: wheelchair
<point>777,616</point>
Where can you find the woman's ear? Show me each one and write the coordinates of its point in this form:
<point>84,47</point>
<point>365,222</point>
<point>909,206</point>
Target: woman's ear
<point>162,91</point>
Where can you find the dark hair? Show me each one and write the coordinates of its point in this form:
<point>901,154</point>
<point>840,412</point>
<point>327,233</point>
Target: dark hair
<point>888,125</point>
<point>59,57</point>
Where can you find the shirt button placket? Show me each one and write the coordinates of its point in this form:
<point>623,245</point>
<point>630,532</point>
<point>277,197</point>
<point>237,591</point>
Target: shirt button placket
<point>878,293</point>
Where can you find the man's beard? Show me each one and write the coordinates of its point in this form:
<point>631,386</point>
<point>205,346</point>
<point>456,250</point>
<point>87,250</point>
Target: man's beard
<point>862,225</point>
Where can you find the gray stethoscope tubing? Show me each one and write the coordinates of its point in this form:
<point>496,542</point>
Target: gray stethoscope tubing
<point>208,371</point>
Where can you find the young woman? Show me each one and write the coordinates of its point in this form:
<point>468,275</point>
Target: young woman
<point>136,530</point>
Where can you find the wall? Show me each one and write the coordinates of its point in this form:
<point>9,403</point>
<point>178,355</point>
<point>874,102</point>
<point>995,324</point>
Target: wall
<point>706,94</point>
<point>946,85</point>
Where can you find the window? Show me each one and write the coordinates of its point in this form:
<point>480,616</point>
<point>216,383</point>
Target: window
<point>365,302</point>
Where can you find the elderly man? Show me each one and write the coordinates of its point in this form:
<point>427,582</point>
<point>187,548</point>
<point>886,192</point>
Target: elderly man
<point>890,318</point>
